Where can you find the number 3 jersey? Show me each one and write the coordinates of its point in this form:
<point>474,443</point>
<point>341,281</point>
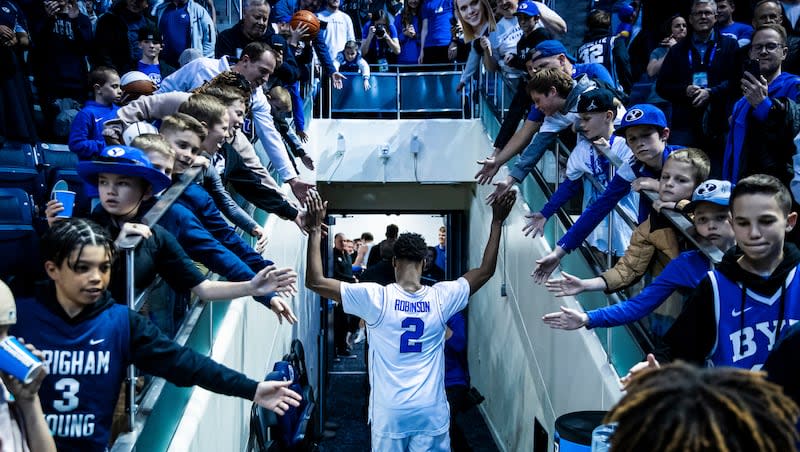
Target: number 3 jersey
<point>406,353</point>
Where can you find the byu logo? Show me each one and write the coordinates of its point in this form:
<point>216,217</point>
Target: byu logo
<point>6,10</point>
<point>592,106</point>
<point>115,152</point>
<point>634,115</point>
<point>707,187</point>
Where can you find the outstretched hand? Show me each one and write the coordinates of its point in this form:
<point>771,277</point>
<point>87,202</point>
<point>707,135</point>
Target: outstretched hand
<point>502,206</point>
<point>500,189</point>
<point>535,224</point>
<point>488,170</point>
<point>271,279</point>
<point>282,309</point>
<point>568,285</point>
<point>316,210</point>
<point>276,396</point>
<point>300,188</point>
<point>649,363</point>
<point>545,267</point>
<point>567,319</point>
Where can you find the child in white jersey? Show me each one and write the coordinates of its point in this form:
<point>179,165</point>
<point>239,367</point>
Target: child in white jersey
<point>406,322</point>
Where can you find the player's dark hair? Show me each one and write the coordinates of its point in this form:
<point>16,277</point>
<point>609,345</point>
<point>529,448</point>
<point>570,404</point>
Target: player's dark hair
<point>410,246</point>
<point>763,184</point>
<point>391,231</point>
<point>73,234</point>
<point>680,408</point>
<point>367,236</point>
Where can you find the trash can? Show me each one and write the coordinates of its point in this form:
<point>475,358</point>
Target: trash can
<point>573,432</point>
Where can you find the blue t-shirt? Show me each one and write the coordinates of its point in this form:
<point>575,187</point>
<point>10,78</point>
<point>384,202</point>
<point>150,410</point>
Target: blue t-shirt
<point>738,31</point>
<point>438,13</point>
<point>409,47</point>
<point>151,70</point>
<point>175,26</point>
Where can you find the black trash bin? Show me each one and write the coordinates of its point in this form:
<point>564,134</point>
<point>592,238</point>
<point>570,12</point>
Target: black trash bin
<point>573,432</point>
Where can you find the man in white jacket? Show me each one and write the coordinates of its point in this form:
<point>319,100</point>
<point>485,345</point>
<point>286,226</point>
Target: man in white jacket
<point>256,64</point>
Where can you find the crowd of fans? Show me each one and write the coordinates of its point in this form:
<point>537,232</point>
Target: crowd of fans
<point>694,100</point>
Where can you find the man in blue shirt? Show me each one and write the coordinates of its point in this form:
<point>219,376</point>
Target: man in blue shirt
<point>435,34</point>
<point>185,24</point>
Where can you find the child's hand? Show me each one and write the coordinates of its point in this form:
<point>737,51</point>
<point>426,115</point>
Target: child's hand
<point>337,79</point>
<point>535,224</point>
<point>133,229</point>
<point>568,285</point>
<point>201,161</point>
<point>308,162</point>
<point>302,135</point>
<point>54,207</point>
<point>644,183</point>
<point>567,319</point>
<point>659,204</point>
<point>263,239</point>
<point>366,84</point>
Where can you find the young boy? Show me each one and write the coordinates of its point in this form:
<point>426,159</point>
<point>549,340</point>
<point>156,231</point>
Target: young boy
<point>596,110</point>
<point>645,130</point>
<point>281,102</point>
<point>711,217</point>
<point>86,136</point>
<point>744,306</point>
<point>151,44</point>
<point>88,340</point>
<point>406,322</point>
<point>22,425</point>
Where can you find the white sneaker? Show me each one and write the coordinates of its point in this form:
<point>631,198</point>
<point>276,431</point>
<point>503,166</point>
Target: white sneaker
<point>360,336</point>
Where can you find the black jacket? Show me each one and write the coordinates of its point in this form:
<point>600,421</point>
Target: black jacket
<point>111,43</point>
<point>231,41</point>
<point>723,81</point>
<point>694,333</point>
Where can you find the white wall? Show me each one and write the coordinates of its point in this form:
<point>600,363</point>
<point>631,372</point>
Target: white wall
<point>425,225</point>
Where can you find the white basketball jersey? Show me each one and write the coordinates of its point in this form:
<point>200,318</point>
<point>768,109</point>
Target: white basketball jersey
<point>406,353</point>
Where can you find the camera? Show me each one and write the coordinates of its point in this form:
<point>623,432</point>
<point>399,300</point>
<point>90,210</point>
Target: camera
<point>380,30</point>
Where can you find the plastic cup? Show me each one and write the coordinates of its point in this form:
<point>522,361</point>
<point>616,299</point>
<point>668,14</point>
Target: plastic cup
<point>67,198</point>
<point>601,437</point>
<point>18,361</point>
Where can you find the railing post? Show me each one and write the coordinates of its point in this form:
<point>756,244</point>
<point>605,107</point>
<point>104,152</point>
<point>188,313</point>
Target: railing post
<point>130,298</point>
<point>397,84</point>
<point>609,258</point>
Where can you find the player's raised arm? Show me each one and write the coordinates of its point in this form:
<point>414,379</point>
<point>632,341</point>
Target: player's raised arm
<point>477,277</point>
<point>315,280</point>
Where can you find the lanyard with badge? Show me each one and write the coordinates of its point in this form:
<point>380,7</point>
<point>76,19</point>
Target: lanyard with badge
<point>700,78</point>
<point>600,166</point>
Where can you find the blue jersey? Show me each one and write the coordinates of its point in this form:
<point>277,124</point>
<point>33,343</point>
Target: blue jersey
<point>746,332</point>
<point>86,364</point>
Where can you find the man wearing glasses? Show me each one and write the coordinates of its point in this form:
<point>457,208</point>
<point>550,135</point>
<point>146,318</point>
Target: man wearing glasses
<point>763,124</point>
<point>698,79</point>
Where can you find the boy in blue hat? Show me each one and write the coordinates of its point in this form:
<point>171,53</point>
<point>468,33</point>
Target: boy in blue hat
<point>645,130</point>
<point>125,179</point>
<point>711,217</point>
<point>88,341</point>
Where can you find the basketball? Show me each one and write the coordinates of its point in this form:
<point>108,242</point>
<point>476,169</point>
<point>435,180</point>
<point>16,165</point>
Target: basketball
<point>307,18</point>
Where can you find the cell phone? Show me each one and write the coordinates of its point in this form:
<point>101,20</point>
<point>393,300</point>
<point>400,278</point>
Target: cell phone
<point>753,68</point>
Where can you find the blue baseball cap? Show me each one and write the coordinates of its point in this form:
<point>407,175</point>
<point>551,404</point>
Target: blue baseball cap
<point>642,115</point>
<point>714,191</point>
<point>124,160</point>
<point>548,48</point>
<point>527,8</point>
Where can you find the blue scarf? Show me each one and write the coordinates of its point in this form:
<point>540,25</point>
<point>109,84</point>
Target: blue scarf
<point>784,85</point>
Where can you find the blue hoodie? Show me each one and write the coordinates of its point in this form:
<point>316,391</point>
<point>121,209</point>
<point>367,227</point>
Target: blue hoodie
<point>86,137</point>
<point>784,85</point>
<point>682,273</point>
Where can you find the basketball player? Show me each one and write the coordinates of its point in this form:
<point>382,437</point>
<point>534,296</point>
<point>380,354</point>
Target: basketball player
<point>406,326</point>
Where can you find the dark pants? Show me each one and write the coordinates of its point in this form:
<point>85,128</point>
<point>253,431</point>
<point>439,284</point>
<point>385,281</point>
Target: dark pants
<point>459,403</point>
<point>435,55</point>
<point>342,324</point>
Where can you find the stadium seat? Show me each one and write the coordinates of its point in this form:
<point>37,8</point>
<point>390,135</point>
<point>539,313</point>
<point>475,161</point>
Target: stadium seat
<point>60,163</point>
<point>18,239</point>
<point>19,169</point>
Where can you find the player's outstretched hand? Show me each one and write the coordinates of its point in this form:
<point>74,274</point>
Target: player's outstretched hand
<point>276,396</point>
<point>271,279</point>
<point>503,204</point>
<point>500,188</point>
<point>535,224</point>
<point>489,168</point>
<point>545,267</point>
<point>282,309</point>
<point>649,363</point>
<point>316,208</point>
<point>567,319</point>
<point>568,285</point>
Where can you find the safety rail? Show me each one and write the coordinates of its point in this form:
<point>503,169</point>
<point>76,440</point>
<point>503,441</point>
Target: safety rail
<point>401,91</point>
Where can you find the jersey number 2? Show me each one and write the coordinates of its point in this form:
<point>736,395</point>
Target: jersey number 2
<point>418,327</point>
